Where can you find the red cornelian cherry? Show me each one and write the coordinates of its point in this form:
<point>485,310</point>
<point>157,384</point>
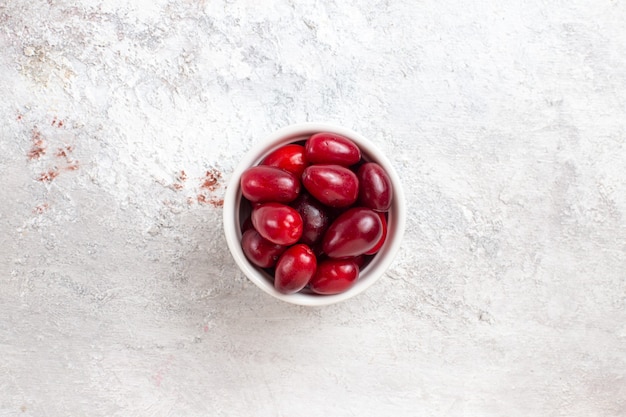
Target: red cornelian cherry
<point>277,223</point>
<point>333,185</point>
<point>353,233</point>
<point>315,216</point>
<point>289,158</point>
<point>381,241</point>
<point>330,148</point>
<point>334,276</point>
<point>262,184</point>
<point>259,250</point>
<point>295,267</point>
<point>375,190</point>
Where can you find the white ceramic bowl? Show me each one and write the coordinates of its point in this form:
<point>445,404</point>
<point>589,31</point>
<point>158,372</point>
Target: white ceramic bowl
<point>235,213</point>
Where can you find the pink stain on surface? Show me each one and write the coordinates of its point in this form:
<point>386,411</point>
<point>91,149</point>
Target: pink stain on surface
<point>179,183</point>
<point>211,179</point>
<point>159,376</point>
<point>209,183</point>
<point>38,147</point>
<point>48,176</point>
<point>56,122</point>
<point>204,199</point>
<point>64,151</point>
<point>41,208</point>
<point>73,166</point>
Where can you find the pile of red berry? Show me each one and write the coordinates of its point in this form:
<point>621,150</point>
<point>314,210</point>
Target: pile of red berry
<point>318,214</point>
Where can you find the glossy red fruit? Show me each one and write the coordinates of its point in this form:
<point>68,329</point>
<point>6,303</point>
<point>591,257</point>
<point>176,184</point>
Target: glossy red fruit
<point>376,248</point>
<point>334,276</point>
<point>259,250</point>
<point>277,223</point>
<point>375,190</point>
<point>315,217</point>
<point>329,148</point>
<point>333,185</point>
<point>353,233</point>
<point>289,158</point>
<point>263,183</point>
<point>295,267</point>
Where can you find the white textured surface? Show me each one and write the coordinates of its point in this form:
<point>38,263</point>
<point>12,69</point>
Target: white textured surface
<point>506,119</point>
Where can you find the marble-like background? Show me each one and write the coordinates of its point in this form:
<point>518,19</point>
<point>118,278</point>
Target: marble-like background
<point>506,120</point>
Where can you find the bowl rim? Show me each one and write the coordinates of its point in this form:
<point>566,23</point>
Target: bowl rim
<point>232,198</point>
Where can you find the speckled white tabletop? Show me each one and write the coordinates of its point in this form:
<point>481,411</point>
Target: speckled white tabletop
<point>122,121</point>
